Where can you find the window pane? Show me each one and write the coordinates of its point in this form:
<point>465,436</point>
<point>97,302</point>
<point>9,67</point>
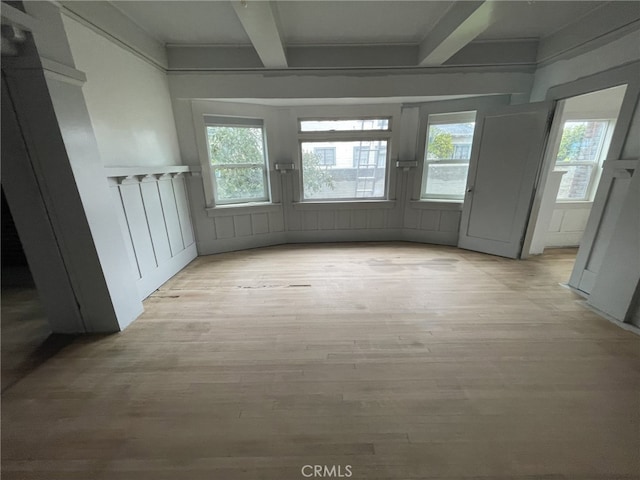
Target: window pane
<point>446,179</point>
<point>358,171</point>
<point>235,145</point>
<point>326,155</point>
<point>575,183</point>
<point>448,141</point>
<point>237,157</point>
<point>447,158</point>
<point>362,124</point>
<point>370,155</point>
<point>579,153</point>
<point>240,183</point>
<point>581,141</point>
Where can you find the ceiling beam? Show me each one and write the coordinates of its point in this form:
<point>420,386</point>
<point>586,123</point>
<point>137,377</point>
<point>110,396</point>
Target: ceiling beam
<point>259,21</point>
<point>601,25</point>
<point>463,22</point>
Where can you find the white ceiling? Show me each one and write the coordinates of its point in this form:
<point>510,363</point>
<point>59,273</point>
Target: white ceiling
<point>536,19</point>
<point>358,22</point>
<point>316,22</point>
<point>186,22</point>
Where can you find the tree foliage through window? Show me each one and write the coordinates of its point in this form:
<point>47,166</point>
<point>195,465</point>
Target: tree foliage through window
<point>440,145</point>
<point>237,157</point>
<point>315,176</point>
<point>238,162</point>
<point>572,138</point>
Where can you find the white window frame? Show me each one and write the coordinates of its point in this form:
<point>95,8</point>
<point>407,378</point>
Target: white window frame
<point>238,122</point>
<point>444,118</point>
<point>201,109</point>
<point>471,104</point>
<point>346,136</point>
<point>602,151</point>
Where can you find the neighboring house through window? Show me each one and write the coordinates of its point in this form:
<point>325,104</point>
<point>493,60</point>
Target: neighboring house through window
<point>462,151</point>
<point>365,156</point>
<point>326,155</point>
<point>355,152</point>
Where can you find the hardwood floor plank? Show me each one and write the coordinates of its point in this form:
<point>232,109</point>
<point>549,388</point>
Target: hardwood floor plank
<point>404,361</point>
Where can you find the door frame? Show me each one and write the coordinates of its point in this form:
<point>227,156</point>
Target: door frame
<point>626,74</point>
<point>546,168</point>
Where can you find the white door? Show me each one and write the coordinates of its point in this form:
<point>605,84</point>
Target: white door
<point>510,142</point>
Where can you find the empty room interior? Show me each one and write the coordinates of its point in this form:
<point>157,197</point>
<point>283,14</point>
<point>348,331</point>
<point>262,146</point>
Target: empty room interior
<point>384,240</point>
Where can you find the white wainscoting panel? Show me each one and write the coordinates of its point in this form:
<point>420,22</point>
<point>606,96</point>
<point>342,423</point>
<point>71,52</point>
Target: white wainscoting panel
<point>156,224</point>
<point>170,211</point>
<point>155,219</point>
<point>342,221</point>
<point>242,225</point>
<point>260,223</point>
<point>432,222</point>
<point>237,227</point>
<point>137,225</point>
<point>122,221</point>
<point>182,203</point>
<point>567,224</point>
<point>276,222</point>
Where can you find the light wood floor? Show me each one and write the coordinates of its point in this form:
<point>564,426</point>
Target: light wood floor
<point>403,361</point>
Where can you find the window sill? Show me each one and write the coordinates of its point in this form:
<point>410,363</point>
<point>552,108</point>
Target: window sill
<point>437,204</point>
<point>345,205</point>
<point>242,208</point>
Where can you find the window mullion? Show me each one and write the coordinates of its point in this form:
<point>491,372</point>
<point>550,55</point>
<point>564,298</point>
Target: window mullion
<point>344,136</point>
<point>238,165</point>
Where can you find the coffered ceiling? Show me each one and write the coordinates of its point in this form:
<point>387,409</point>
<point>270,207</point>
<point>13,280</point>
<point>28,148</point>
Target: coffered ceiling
<point>342,22</point>
<point>254,34</point>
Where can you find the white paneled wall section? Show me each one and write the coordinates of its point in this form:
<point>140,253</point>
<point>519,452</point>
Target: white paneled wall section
<point>567,224</point>
<point>225,229</point>
<point>155,220</point>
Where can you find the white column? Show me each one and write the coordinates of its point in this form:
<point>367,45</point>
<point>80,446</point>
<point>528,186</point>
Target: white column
<point>46,92</point>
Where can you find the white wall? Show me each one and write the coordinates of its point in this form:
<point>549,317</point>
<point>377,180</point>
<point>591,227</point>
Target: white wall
<point>631,147</point>
<point>131,113</point>
<point>616,53</point>
<point>128,101</point>
<point>567,224</point>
